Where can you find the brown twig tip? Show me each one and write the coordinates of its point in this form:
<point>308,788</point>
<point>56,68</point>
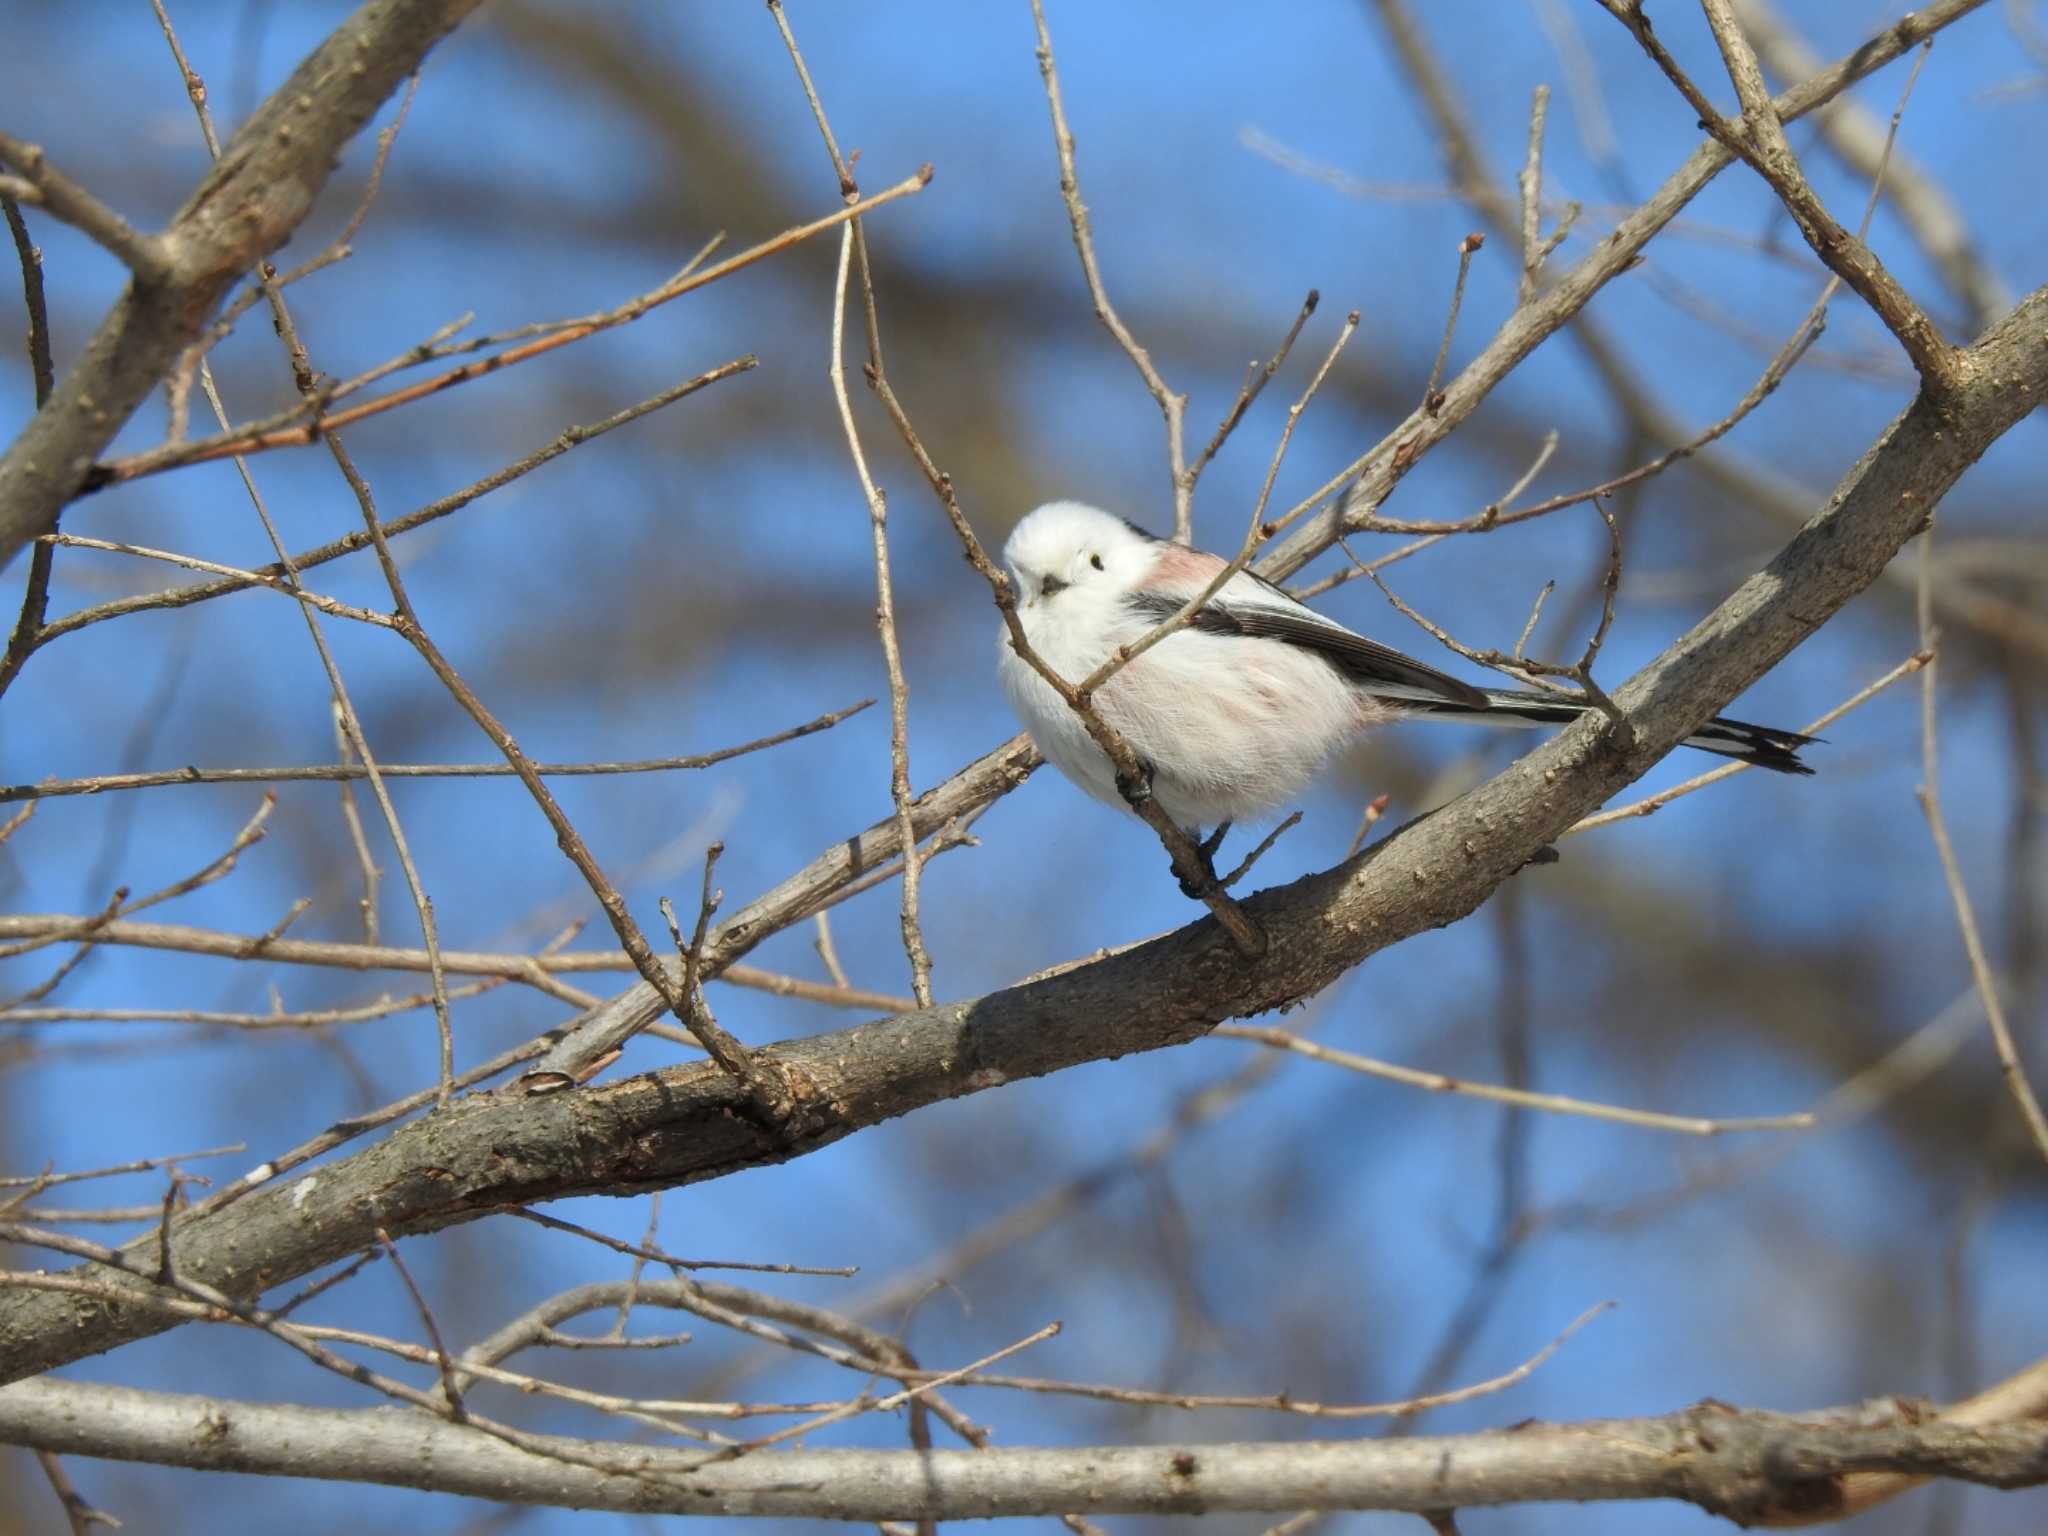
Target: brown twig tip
<point>1314,298</point>
<point>1472,242</point>
<point>925,174</point>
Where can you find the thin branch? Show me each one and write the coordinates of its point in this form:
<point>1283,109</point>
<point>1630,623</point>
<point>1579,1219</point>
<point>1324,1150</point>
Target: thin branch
<point>1530,183</point>
<point>1535,613</point>
<point>246,206</point>
<point>1858,137</point>
<point>35,598</point>
<point>48,188</point>
<point>827,953</point>
<point>885,624</point>
<point>1171,406</point>
<point>568,438</point>
<point>1255,381</point>
<point>694,1012</point>
<point>346,772</point>
<point>283,585</point>
<point>79,1512</point>
<point>1929,796</point>
<point>1550,1103</point>
<point>36,1183</point>
<point>1760,143</point>
<point>1651,804</point>
<point>539,970</point>
<point>247,440</point>
<point>42,371</point>
<point>647,1252</point>
<point>1285,1402</point>
<point>1432,399</point>
<point>451,1389</point>
<point>1244,867</point>
<point>87,928</point>
<point>372,876</point>
<point>898,1399</point>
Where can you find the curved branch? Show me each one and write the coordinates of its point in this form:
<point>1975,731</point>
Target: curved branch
<point>264,183</point>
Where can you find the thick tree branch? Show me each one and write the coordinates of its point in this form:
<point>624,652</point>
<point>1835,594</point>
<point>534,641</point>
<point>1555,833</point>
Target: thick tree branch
<point>688,1123</point>
<point>1751,1467</point>
<point>264,183</point>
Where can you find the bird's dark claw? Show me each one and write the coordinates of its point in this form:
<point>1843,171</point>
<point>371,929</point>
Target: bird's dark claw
<point>1205,850</point>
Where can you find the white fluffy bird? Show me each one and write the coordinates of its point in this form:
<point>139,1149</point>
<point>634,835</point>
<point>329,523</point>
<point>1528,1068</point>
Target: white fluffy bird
<point>1237,711</point>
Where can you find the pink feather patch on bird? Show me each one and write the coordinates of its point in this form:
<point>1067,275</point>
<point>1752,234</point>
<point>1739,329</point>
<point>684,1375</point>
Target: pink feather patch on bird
<point>1178,565</point>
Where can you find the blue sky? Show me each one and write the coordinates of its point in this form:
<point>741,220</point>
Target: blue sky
<point>704,577</point>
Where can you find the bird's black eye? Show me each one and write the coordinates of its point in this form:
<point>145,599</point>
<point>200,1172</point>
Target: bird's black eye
<point>1096,561</point>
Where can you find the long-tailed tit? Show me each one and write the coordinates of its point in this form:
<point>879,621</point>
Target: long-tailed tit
<point>1235,712</point>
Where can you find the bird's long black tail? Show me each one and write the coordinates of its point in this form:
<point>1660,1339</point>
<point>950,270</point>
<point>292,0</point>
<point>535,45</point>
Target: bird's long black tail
<point>1757,744</point>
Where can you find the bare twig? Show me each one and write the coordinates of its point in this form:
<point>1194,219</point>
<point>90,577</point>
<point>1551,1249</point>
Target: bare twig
<point>1431,396</point>
<point>234,441</point>
<point>48,188</point>
<point>1857,136</point>
<point>345,771</point>
<point>1375,808</point>
<point>646,1251</point>
<point>892,654</point>
<point>1552,1103</point>
<point>1286,1402</point>
<point>79,1512</point>
<point>344,708</point>
<point>352,723</point>
<point>1929,795</point>
<point>1651,804</point>
<point>36,1183</point>
<point>87,928</point>
<point>279,584</point>
<point>1760,143</point>
<point>1535,613</point>
<point>827,953</point>
<point>1172,406</point>
<point>898,1399</point>
<point>1530,184</point>
<point>1255,381</point>
<point>540,970</point>
<point>451,1389</point>
<point>694,1011</point>
<point>354,822</point>
<point>43,375</point>
<point>1259,852</point>
<point>568,438</point>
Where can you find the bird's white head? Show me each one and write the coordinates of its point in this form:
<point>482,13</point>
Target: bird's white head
<point>1065,550</point>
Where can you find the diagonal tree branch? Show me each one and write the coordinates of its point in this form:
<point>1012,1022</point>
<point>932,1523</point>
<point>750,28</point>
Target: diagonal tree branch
<point>247,206</point>
<point>688,1123</point>
<point>1760,141</point>
<point>1373,476</point>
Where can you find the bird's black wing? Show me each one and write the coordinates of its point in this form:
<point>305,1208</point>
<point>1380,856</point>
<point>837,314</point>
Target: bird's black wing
<point>1378,669</point>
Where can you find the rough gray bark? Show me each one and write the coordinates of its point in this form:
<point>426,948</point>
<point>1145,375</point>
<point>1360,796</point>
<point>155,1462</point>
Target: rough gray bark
<point>1750,1467</point>
<point>264,183</point>
<point>691,1123</point>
